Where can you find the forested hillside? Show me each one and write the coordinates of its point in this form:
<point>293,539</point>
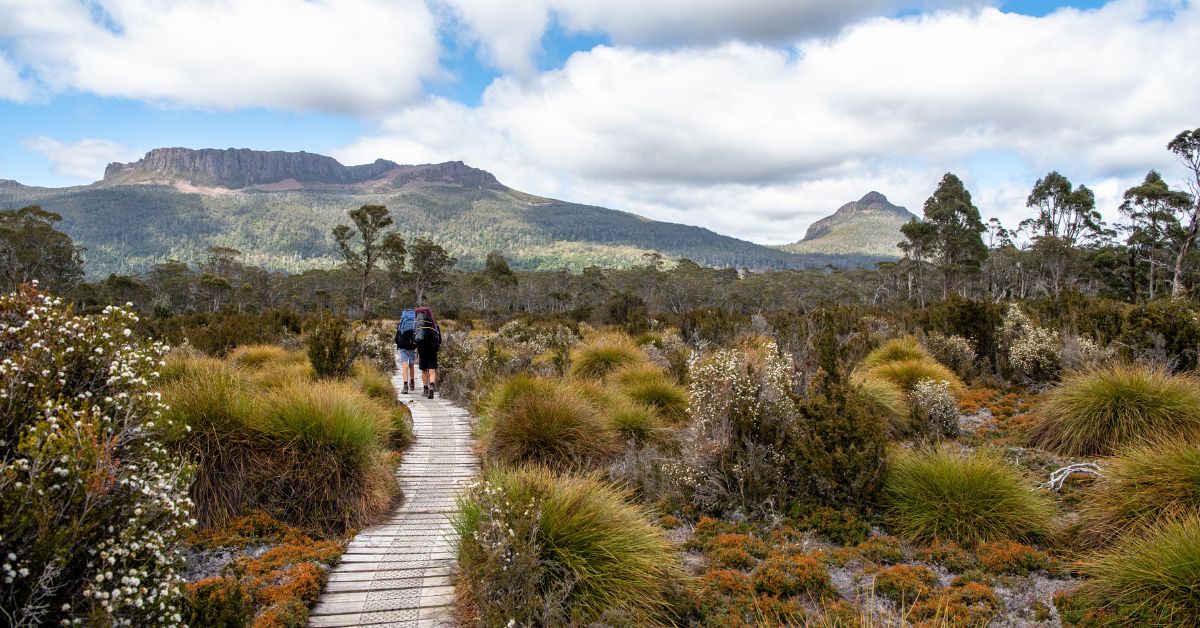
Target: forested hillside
<point>130,227</point>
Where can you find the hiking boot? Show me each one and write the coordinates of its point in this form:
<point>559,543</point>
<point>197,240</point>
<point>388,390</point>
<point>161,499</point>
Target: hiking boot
<point>432,389</point>
<point>425,390</point>
<point>405,391</point>
<point>412,385</point>
<point>430,393</point>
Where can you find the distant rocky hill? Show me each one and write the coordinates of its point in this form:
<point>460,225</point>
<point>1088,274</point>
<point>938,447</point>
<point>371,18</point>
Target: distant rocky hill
<point>279,207</point>
<point>869,227</point>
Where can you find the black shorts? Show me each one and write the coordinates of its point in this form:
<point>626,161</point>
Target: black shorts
<point>426,358</point>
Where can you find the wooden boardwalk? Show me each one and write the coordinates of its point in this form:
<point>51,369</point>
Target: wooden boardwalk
<point>398,573</point>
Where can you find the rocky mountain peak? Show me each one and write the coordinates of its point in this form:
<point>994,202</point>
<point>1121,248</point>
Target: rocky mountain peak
<point>871,202</point>
<point>236,168</point>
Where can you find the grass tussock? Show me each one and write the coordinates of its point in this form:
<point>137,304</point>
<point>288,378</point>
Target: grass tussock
<point>904,374</point>
<point>890,401</point>
<point>652,387</point>
<point>635,421</point>
<point>1149,579</point>
<point>938,494</point>
<point>544,549</point>
<point>374,382</point>
<point>557,428</point>
<point>258,356</point>
<point>897,350</point>
<point>604,354</point>
<point>310,453</point>
<point>1143,486</point>
<point>1096,412</point>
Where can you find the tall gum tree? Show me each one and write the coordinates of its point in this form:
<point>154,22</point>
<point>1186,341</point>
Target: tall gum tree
<point>375,244</point>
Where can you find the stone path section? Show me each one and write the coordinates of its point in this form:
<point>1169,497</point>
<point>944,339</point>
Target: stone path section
<point>398,573</point>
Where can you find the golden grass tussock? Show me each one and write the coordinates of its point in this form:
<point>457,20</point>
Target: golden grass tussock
<point>897,350</point>
<point>258,356</point>
<point>905,374</point>
<point>1142,486</point>
<point>603,354</point>
<point>1096,412</point>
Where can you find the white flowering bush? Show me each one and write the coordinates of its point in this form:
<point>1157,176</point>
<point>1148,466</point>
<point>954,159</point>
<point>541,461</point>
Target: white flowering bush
<point>92,506</point>
<point>376,344</point>
<point>1036,357</point>
<point>955,352</point>
<point>934,408</point>
<point>670,352</point>
<point>1081,353</point>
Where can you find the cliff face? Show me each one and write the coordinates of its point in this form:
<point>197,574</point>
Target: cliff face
<point>236,168</point>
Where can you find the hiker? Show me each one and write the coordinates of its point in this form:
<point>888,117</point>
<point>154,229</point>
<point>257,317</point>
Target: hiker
<point>406,346</point>
<point>428,336</point>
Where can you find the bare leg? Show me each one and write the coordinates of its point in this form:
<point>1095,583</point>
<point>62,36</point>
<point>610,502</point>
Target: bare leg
<point>432,376</point>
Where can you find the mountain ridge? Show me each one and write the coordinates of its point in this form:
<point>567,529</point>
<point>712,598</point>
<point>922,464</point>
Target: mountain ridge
<point>278,208</point>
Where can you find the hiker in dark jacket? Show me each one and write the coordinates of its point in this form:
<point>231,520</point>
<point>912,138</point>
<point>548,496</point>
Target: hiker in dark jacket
<point>429,339</point>
<point>406,348</point>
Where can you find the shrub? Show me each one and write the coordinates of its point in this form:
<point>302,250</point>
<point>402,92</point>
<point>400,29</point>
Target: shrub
<point>1003,556</point>
<point>882,549</point>
<point>741,542</point>
<point>1081,353</point>
<point>785,574</point>
<point>905,583</point>
<point>842,448</point>
<point>960,604</point>
<point>1036,356</point>
<point>937,494</point>
<point>558,429</point>
<point>751,447</point>
<point>905,374</point>
<point>220,602</point>
<point>948,554</point>
<point>955,352</point>
<point>934,409</point>
<point>604,354</point>
<point>1142,486</point>
<point>330,350</point>
<point>896,350</point>
<point>844,525</point>
<point>1165,331</point>
<point>90,499</point>
<point>538,549</point>
<point>652,387</point>
<point>1149,578</point>
<point>1096,412</point>
<point>326,467</point>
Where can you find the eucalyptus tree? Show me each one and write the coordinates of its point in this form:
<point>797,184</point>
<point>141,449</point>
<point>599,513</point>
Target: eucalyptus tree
<point>31,248</point>
<point>1186,147</point>
<point>1066,219</point>
<point>1157,233</point>
<point>376,245</point>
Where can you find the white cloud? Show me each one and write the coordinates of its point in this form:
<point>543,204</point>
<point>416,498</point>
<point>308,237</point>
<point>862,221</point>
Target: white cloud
<point>510,31</point>
<point>84,159</point>
<point>12,87</point>
<point>757,141</point>
<point>357,56</point>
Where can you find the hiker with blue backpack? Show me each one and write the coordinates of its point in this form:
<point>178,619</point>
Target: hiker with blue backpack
<point>406,346</point>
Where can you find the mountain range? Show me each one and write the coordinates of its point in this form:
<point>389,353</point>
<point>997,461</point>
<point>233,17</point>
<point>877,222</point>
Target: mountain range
<point>278,209</point>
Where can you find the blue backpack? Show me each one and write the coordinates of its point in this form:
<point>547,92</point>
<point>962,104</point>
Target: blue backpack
<point>406,330</point>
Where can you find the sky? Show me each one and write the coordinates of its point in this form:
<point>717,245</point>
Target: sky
<point>752,118</point>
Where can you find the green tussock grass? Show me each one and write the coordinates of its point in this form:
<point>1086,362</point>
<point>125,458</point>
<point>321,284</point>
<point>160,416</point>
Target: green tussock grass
<point>635,420</point>
<point>936,494</point>
<point>257,356</point>
<point>905,374</point>
<point>402,431</point>
<point>505,393</point>
<point>207,395</point>
<point>897,350</point>
<point>329,415</point>
<point>1096,412</point>
<point>604,354</point>
<point>374,382</point>
<point>589,537</point>
<point>1150,579</point>
<point>654,388</point>
<point>182,365</point>
<point>557,428</point>
<point>890,401</point>
<point>281,374</point>
<point>1142,486</point>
